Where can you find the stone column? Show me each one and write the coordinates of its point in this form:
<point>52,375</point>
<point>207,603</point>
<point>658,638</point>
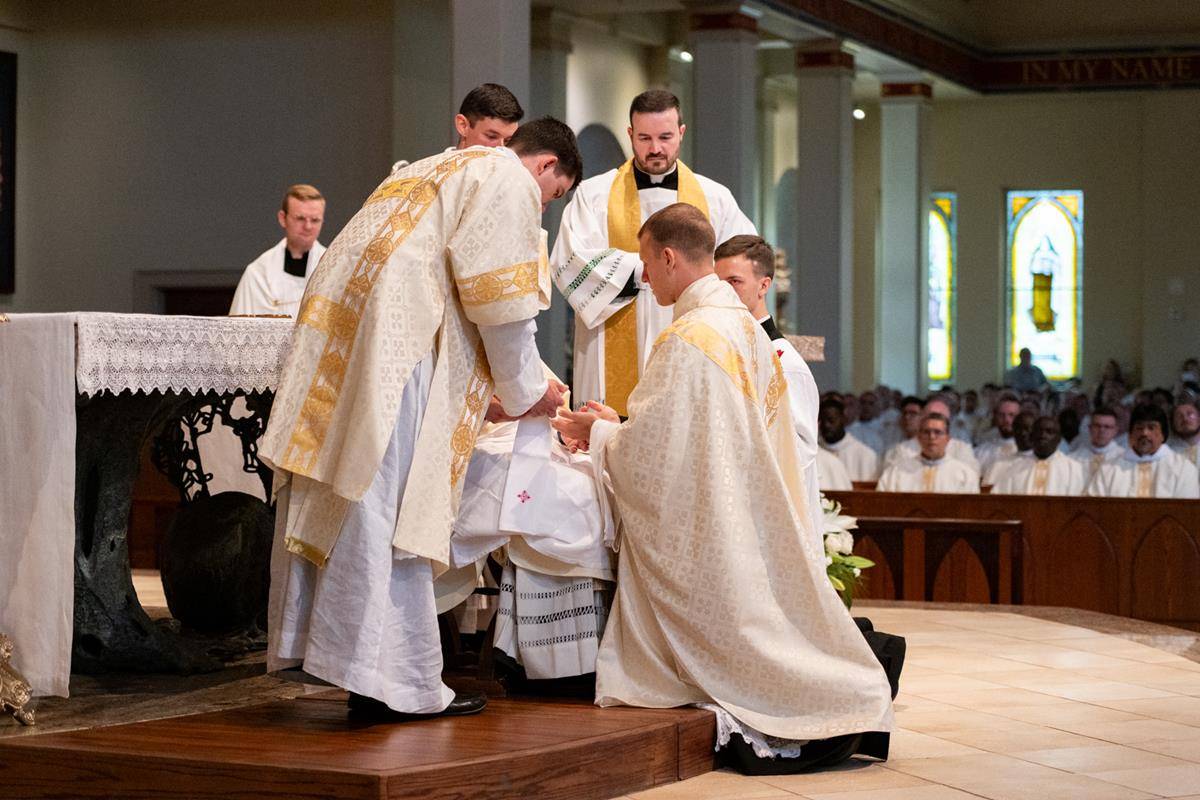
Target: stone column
<point>443,49</point>
<point>821,301</point>
<point>551,44</point>
<point>724,123</point>
<point>904,231</point>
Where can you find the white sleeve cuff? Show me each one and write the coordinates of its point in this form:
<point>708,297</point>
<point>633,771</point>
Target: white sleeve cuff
<point>520,381</point>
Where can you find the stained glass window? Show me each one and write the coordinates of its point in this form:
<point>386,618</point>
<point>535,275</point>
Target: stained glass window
<point>943,277</point>
<point>1045,279</point>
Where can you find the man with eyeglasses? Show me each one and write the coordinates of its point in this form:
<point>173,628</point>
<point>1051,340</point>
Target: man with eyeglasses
<point>932,470</point>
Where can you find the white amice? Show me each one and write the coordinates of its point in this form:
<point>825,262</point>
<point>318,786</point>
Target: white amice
<point>1057,475</point>
<point>860,461</point>
<point>945,475</point>
<point>1163,473</point>
<point>265,288</point>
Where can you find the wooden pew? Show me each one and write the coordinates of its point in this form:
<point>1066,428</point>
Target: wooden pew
<point>1130,557</point>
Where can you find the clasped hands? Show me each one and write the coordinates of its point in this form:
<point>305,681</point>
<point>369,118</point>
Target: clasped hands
<point>575,427</point>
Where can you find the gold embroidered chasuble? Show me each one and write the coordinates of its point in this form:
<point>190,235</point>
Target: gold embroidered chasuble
<point>722,594</point>
<point>441,246</point>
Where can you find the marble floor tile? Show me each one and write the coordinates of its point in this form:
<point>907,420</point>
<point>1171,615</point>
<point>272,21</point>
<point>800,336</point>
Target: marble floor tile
<point>861,776</point>
<point>1099,758</point>
<point>1164,781</point>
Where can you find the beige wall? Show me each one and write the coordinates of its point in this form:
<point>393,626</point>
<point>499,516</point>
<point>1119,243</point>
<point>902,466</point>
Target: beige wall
<point>155,136</point>
<point>604,74</point>
<point>1130,153</point>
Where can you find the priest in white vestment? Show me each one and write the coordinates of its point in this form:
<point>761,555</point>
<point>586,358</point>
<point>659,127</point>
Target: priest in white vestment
<point>529,495</point>
<point>1101,445</point>
<point>420,311</point>
<point>1149,468</point>
<point>860,461</point>
<point>595,260</point>
<point>831,473</point>
<point>1049,472</point>
<point>1022,439</point>
<point>1185,439</point>
<point>1000,444</point>
<point>932,469</point>
<point>747,263</point>
<point>957,449</point>
<point>870,427</point>
<point>274,282</point>
<point>722,598</point>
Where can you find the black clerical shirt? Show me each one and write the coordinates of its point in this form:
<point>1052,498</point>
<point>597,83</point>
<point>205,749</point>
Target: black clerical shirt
<point>297,266</point>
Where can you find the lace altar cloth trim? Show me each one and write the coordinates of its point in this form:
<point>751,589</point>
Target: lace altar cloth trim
<point>149,352</point>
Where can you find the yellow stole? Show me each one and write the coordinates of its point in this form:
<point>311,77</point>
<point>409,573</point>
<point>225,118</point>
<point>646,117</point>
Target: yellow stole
<point>621,363</point>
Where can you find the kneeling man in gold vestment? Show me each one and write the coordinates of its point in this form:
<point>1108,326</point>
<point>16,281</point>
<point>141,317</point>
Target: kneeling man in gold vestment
<point>722,598</point>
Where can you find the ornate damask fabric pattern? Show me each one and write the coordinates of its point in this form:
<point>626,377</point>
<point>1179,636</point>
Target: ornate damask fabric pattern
<point>383,298</point>
<point>150,352</point>
<point>722,595</point>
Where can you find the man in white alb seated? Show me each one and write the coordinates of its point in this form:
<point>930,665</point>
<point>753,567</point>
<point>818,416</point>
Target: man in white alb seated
<point>747,263</point>
<point>911,447</point>
<point>1000,443</point>
<point>274,282</point>
<point>527,493</point>
<point>421,310</point>
<point>869,426</point>
<point>831,473</point>
<point>1049,472</point>
<point>1022,438</point>
<point>1186,437</point>
<point>1149,468</point>
<point>932,469</point>
<point>722,598</point>
<point>1101,446</point>
<point>595,261</point>
<point>860,461</point>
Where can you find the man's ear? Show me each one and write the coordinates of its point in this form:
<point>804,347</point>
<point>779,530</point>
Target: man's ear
<point>682,130</point>
<point>282,219</point>
<point>461,125</point>
<point>546,161</point>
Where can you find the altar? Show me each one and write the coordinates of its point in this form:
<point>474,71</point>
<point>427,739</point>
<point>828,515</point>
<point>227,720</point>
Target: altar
<point>79,393</point>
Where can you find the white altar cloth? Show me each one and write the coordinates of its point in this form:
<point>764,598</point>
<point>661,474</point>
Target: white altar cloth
<point>45,360</point>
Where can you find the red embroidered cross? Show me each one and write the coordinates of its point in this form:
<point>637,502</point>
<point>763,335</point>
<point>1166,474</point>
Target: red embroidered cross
<point>524,496</point>
<point>779,353</point>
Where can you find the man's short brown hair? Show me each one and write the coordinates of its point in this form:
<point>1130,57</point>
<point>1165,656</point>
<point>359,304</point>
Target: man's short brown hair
<point>683,228</point>
<point>302,192</point>
<point>652,101</point>
<point>491,100</point>
<point>755,248</point>
<point>549,135</point>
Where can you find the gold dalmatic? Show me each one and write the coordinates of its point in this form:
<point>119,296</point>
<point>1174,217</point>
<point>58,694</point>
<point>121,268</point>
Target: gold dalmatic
<point>621,363</point>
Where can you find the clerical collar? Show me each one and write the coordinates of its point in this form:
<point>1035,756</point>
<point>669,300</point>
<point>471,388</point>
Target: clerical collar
<point>297,266</point>
<point>929,462</point>
<point>1158,455</point>
<point>768,325</point>
<point>644,180</point>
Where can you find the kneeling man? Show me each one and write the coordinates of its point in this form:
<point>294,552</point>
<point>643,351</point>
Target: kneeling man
<point>722,596</point>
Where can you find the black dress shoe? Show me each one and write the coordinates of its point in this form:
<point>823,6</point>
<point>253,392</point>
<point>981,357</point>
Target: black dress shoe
<point>463,704</point>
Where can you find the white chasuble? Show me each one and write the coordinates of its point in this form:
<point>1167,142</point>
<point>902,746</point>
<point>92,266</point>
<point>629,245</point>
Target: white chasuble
<point>956,449</point>
<point>266,288</point>
<point>444,245</point>
<point>831,474</point>
<point>1093,457</point>
<point>1163,473</point>
<point>596,257</point>
<point>722,595</point>
<point>861,462</point>
<point>946,476</point>
<point>1057,475</point>
<point>1190,451</point>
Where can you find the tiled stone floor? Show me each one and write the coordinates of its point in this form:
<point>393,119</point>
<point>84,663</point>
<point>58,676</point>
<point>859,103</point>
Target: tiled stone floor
<point>1011,706</point>
<point>998,703</point>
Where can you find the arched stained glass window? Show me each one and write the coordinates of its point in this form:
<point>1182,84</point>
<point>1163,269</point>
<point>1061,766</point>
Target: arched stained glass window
<point>943,279</point>
<point>1045,279</point>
